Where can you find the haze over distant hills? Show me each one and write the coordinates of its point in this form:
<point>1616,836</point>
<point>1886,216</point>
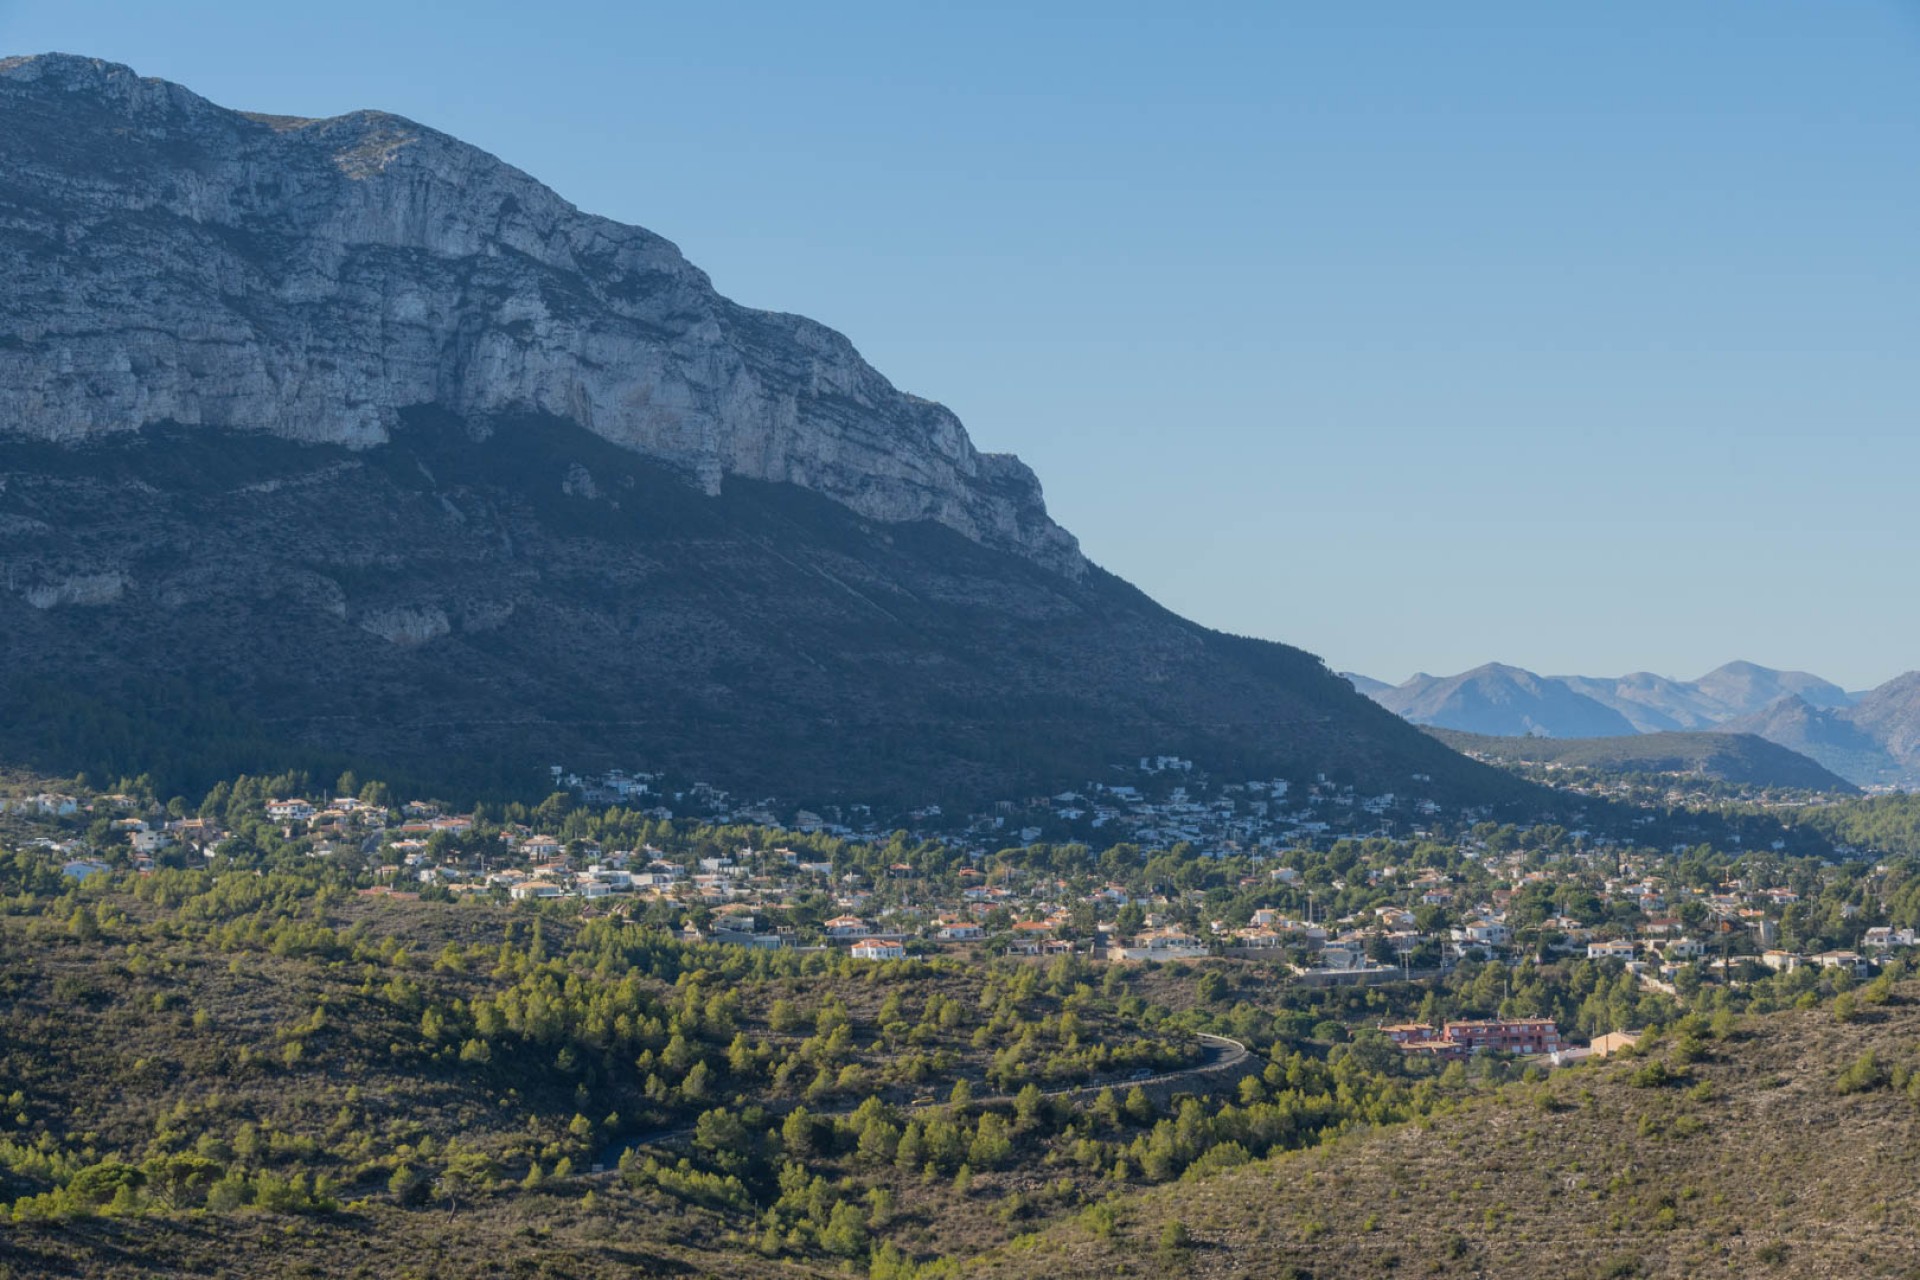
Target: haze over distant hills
<point>1870,739</point>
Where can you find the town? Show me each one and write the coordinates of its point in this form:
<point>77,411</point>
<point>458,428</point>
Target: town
<point>1308,881</point>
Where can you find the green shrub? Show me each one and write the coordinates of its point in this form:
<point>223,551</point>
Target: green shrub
<point>1864,1075</point>
<point>1655,1074</point>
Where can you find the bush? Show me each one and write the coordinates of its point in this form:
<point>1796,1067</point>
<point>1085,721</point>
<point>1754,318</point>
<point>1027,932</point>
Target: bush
<point>408,1186</point>
<point>1864,1075</point>
<point>1655,1075</point>
<point>99,1184</point>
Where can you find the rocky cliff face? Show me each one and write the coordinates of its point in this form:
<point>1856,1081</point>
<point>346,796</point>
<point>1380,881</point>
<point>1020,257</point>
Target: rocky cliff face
<point>171,261</point>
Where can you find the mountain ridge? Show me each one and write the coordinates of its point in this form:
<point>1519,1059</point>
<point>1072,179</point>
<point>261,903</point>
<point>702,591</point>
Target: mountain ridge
<point>1501,700</point>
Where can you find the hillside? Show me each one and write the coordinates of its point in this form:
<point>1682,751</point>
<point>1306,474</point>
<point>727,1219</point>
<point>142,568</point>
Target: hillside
<point>1739,758</point>
<point>1884,824</point>
<point>306,1052</point>
<point>1656,703</point>
<point>1827,735</point>
<point>1365,684</point>
<point>1890,715</point>
<point>338,441</point>
<point>292,1078</point>
<point>1749,1159</point>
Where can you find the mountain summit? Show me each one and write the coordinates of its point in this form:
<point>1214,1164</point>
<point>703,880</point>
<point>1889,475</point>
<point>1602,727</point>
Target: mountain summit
<point>340,441</point>
<point>1501,700</point>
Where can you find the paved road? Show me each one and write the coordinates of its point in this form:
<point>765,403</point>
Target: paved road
<point>1221,1053</point>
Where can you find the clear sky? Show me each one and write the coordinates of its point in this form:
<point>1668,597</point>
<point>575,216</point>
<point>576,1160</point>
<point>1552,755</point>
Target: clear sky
<point>1581,337</point>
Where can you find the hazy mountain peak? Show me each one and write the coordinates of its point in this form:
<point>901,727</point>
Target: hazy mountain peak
<point>1501,700</point>
<point>1743,686</point>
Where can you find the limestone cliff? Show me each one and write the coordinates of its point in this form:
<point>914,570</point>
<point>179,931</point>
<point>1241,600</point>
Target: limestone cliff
<point>171,261</point>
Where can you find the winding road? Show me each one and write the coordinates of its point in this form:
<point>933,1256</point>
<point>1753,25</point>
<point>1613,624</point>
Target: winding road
<point>1223,1055</point>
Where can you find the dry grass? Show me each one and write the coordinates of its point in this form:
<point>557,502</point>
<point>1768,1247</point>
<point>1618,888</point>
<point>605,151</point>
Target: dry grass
<point>555,1236</point>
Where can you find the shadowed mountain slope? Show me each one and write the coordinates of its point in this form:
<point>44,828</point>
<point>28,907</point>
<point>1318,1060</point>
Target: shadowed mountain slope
<point>475,608</point>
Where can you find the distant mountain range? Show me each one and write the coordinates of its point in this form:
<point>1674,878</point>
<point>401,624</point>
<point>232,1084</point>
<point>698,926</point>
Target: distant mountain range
<point>1871,739</point>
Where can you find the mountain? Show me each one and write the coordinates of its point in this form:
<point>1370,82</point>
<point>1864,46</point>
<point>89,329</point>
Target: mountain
<point>172,261</point>
<point>1651,703</point>
<point>1365,684</point>
<point>1656,704</point>
<point>1870,739</point>
<point>1502,701</point>
<point>1740,688</point>
<point>1890,715</point>
<point>1742,758</point>
<point>1876,742</point>
<point>340,441</point>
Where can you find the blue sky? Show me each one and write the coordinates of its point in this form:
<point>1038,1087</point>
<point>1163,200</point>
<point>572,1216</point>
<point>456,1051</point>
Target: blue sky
<point>1578,337</point>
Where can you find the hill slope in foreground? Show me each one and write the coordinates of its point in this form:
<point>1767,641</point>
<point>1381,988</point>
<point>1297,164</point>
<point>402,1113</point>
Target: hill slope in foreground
<point>1772,1152</point>
<point>1741,758</point>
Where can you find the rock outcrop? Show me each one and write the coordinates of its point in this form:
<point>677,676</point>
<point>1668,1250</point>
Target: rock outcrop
<point>171,261</point>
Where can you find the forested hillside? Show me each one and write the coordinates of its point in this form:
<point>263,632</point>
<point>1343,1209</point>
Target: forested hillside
<point>1884,824</point>
<point>272,1061</point>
